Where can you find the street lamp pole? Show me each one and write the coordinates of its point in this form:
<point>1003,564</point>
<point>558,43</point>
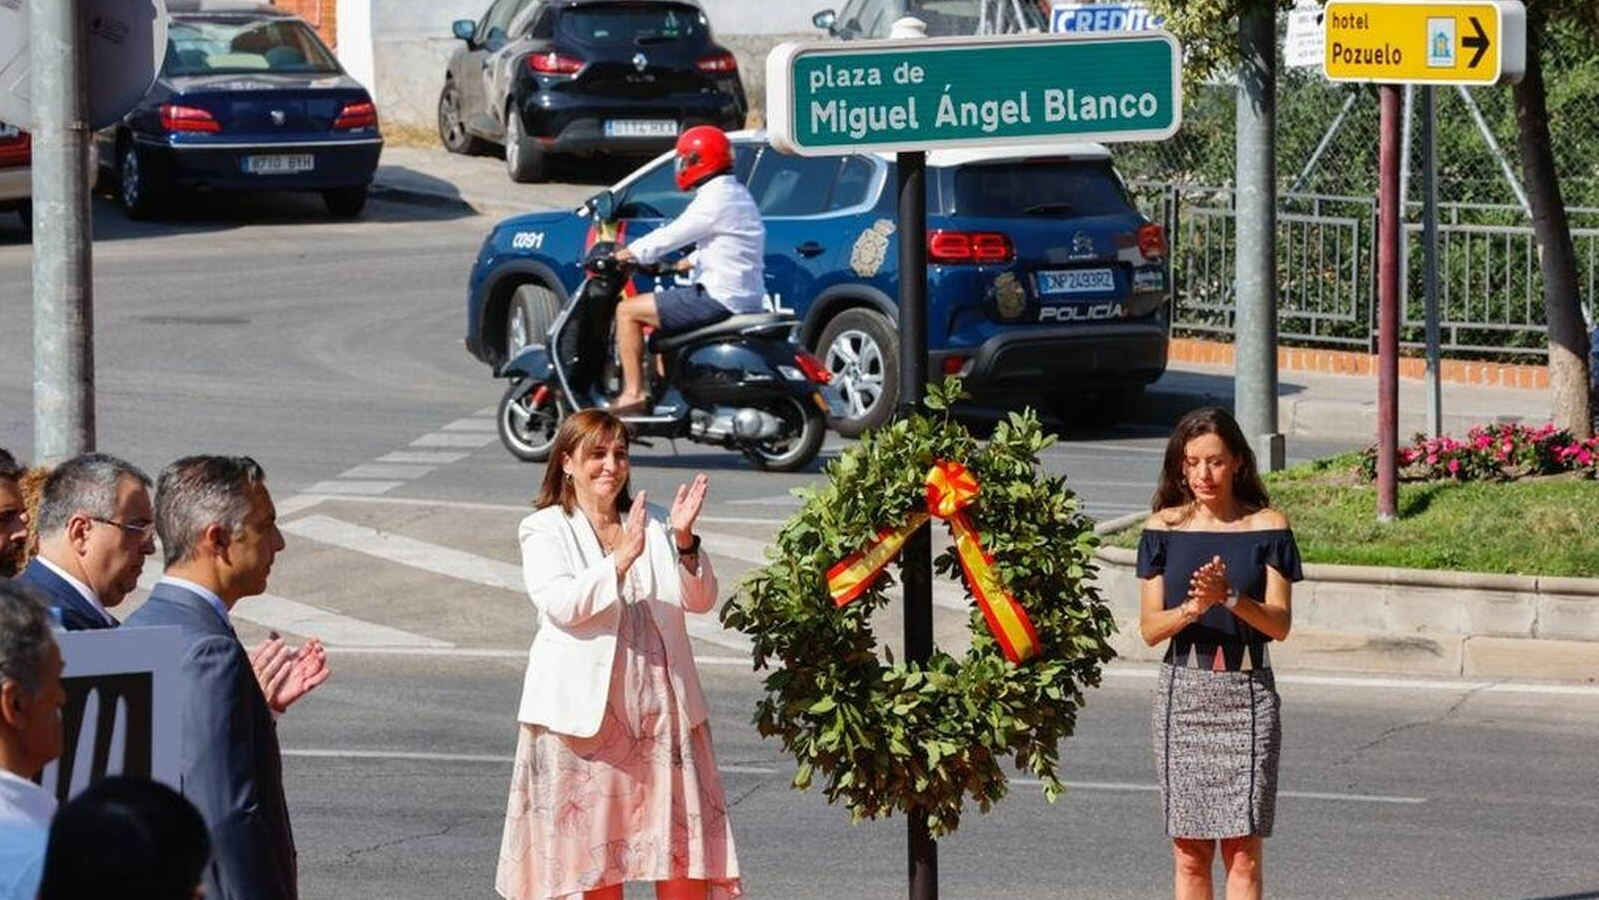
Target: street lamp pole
<point>63,287</point>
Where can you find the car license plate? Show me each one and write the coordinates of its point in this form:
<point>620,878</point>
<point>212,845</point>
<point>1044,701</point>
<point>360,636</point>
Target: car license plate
<point>640,128</point>
<point>279,163</point>
<point>1077,281</point>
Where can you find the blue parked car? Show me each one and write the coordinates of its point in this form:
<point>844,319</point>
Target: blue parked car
<point>248,99</point>
<point>1045,284</point>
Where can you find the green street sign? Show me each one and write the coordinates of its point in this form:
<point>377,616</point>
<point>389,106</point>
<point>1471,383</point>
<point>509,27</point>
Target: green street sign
<point>831,98</point>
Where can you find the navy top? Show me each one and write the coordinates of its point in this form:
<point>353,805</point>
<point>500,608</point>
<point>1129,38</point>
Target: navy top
<point>1179,554</point>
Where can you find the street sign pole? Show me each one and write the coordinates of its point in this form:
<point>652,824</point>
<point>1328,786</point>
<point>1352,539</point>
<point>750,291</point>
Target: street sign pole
<point>916,568</point>
<point>1388,308</point>
<point>63,290</point>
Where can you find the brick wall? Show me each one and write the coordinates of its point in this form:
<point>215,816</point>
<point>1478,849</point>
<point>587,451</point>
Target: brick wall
<point>320,14</point>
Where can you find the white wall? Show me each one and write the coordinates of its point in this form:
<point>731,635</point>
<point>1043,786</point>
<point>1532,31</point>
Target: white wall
<point>410,43</point>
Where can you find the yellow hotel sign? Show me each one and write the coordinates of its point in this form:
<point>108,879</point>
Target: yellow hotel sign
<point>1393,42</point>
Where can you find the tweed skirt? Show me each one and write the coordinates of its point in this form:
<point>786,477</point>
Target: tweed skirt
<point>1218,737</point>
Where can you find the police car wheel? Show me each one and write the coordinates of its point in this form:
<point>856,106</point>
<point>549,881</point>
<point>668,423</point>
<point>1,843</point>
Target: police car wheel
<point>528,319</point>
<point>861,349</point>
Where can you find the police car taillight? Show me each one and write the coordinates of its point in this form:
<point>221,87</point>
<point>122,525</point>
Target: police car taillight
<point>982,248</point>
<point>1152,242</point>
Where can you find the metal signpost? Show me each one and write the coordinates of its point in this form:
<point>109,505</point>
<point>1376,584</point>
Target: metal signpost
<point>1393,43</point>
<point>908,97</point>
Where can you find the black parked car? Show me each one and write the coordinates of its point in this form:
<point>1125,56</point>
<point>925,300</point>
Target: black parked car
<point>248,99</point>
<point>545,77</point>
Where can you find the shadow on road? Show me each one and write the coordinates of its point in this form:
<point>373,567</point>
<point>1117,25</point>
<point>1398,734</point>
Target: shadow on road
<point>210,213</point>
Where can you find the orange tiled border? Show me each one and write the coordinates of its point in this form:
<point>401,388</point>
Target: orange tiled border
<point>1344,362</point>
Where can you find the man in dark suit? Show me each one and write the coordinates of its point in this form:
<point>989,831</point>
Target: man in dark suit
<point>95,529</point>
<point>219,535</point>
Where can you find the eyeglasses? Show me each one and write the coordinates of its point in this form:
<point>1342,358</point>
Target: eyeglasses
<point>143,532</point>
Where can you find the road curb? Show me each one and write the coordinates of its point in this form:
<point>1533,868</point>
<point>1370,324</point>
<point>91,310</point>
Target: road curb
<point>417,196</point>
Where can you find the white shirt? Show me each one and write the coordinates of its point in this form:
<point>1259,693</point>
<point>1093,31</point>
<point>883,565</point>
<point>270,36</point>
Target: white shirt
<point>724,224</point>
<point>207,593</point>
<point>25,812</point>
<point>84,590</point>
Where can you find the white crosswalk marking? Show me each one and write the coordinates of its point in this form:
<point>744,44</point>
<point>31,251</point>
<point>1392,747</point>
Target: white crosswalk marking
<point>335,630</point>
<point>300,618</point>
<point>479,426</point>
<point>454,439</point>
<point>476,569</point>
<point>408,551</point>
<point>356,488</point>
<point>386,470</point>
<point>428,457</point>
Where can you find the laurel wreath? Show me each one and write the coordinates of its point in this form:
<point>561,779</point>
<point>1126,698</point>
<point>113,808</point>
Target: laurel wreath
<point>886,735</point>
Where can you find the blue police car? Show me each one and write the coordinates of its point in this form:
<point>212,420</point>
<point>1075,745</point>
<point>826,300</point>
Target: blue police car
<point>1045,284</point>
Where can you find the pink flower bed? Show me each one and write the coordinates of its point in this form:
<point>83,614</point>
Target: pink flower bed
<point>1493,453</point>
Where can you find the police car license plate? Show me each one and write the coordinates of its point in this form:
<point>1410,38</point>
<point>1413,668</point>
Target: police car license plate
<point>279,163</point>
<point>640,128</point>
<point>1076,281</point>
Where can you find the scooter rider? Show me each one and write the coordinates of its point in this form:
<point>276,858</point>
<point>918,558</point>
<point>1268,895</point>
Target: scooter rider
<point>726,266</point>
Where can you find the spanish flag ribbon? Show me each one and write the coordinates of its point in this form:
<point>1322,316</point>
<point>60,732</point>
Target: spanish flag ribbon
<point>951,487</point>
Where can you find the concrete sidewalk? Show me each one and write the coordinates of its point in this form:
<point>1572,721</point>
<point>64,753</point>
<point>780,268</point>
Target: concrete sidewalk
<point>1310,404</point>
<point>1313,404</point>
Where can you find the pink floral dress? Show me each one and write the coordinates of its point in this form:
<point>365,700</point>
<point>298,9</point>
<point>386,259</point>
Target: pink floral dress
<point>641,800</point>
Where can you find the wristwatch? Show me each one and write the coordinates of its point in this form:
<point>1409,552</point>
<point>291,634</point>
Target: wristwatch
<point>692,549</point>
<point>1232,599</point>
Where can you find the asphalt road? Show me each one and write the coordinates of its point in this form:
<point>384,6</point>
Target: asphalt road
<point>331,352</point>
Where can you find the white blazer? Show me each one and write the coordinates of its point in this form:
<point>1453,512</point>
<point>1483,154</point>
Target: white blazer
<point>573,584</point>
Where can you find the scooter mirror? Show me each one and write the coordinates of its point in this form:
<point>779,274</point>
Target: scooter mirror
<point>603,205</point>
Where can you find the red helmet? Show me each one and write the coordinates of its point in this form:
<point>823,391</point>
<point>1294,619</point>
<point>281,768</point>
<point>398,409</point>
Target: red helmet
<point>702,151</point>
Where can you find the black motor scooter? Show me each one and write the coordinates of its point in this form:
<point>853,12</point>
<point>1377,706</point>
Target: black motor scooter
<point>741,383</point>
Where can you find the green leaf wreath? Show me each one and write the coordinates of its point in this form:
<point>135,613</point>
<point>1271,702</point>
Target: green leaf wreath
<point>885,734</point>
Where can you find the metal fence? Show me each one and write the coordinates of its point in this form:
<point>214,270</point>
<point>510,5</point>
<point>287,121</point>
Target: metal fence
<point>1491,301</point>
<point>1490,286</point>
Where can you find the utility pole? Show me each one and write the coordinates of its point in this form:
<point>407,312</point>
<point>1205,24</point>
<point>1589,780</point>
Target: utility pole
<point>63,289</point>
<point>1255,211</point>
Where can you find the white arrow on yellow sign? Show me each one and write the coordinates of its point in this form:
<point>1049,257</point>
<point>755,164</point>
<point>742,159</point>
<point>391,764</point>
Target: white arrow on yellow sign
<point>1395,42</point>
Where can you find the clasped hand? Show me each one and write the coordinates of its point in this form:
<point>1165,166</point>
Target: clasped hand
<point>1206,587</point>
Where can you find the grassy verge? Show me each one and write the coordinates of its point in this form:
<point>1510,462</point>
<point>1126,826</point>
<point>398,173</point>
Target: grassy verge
<point>1535,526</point>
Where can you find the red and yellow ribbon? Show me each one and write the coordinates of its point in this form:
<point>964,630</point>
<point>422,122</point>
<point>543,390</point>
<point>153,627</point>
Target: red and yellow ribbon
<point>951,487</point>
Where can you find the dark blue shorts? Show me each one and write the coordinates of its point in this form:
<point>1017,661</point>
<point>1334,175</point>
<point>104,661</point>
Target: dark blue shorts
<point>687,308</point>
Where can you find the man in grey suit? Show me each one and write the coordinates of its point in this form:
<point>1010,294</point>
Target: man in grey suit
<point>219,533</point>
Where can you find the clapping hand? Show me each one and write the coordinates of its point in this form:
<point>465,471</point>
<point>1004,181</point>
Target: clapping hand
<point>286,674</point>
<point>630,546</point>
<point>686,510</point>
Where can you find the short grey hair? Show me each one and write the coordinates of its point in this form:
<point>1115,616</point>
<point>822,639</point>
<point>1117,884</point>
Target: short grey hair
<point>25,636</point>
<point>197,492</point>
<point>84,484</point>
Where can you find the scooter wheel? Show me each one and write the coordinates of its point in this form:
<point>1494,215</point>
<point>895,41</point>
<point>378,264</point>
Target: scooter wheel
<point>798,446</point>
<point>530,415</point>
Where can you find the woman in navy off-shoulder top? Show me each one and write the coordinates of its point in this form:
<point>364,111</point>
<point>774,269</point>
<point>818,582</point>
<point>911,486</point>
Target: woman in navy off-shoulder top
<point>1216,564</point>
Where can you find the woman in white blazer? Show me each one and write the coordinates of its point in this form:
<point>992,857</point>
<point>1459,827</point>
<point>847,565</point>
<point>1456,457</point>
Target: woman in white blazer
<point>614,779</point>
